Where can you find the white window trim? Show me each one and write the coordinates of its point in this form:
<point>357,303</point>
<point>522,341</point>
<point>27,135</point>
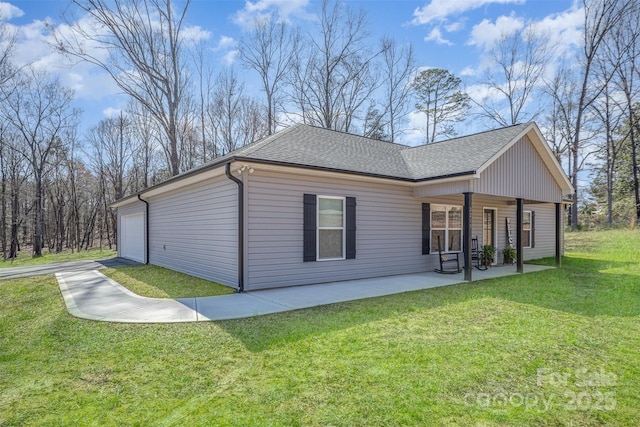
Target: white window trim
<point>434,245</point>
<point>495,228</point>
<point>343,228</point>
<point>529,230</point>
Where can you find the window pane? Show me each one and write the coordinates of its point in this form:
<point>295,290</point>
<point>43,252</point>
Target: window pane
<point>526,221</point>
<point>434,240</point>
<point>330,244</point>
<point>330,212</point>
<point>438,218</point>
<point>454,240</point>
<point>526,238</point>
<point>455,218</point>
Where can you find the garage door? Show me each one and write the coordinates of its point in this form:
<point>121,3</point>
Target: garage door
<point>132,237</point>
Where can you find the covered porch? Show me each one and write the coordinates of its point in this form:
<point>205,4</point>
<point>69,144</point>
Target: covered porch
<point>451,223</point>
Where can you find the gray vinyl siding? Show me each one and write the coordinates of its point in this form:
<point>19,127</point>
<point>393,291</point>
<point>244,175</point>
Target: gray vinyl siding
<point>134,207</point>
<point>545,239</point>
<point>194,230</point>
<point>443,189</point>
<point>519,172</point>
<point>388,237</point>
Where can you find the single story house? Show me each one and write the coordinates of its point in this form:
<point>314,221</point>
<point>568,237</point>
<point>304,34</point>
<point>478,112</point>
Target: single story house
<point>309,205</point>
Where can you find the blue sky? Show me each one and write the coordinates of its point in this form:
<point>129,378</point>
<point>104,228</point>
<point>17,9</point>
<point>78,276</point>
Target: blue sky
<point>451,34</point>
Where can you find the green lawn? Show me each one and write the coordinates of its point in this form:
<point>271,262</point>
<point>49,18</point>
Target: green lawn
<point>558,347</point>
<point>157,282</point>
<point>25,258</point>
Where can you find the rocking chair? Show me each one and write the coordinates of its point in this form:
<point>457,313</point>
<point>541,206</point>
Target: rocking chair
<point>449,262</point>
<point>476,255</point>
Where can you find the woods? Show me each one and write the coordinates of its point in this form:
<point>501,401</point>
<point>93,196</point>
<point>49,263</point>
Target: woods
<point>57,177</point>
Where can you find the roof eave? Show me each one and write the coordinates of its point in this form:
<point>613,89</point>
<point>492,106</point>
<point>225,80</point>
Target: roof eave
<point>173,180</point>
<point>322,168</point>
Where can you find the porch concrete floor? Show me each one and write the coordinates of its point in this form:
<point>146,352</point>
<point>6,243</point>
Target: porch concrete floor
<point>91,295</point>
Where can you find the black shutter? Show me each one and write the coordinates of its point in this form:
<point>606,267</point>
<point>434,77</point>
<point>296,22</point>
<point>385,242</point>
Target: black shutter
<point>309,221</point>
<point>533,229</point>
<point>351,228</point>
<point>426,228</point>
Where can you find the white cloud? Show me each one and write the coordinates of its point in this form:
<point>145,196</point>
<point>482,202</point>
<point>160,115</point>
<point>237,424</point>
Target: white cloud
<point>195,33</point>
<point>563,30</point>
<point>436,36</point>
<point>111,112</point>
<point>34,46</point>
<point>230,57</point>
<point>454,26</point>
<point>225,43</point>
<point>9,11</point>
<point>486,33</point>
<point>439,10</point>
<point>468,72</point>
<point>261,9</point>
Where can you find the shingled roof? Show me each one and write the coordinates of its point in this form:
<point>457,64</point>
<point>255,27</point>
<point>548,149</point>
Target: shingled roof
<point>323,149</point>
<point>309,146</point>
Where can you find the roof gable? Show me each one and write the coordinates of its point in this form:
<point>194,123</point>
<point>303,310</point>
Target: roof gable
<point>462,155</point>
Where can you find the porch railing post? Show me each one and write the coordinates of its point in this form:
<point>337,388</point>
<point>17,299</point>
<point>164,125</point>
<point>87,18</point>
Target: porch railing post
<point>558,234</point>
<point>520,249</point>
<point>466,235</point>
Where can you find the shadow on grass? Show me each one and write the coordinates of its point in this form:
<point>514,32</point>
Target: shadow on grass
<point>158,282</point>
<point>582,287</point>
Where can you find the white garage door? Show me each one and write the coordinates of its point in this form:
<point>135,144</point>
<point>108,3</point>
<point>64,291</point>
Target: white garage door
<point>132,237</point>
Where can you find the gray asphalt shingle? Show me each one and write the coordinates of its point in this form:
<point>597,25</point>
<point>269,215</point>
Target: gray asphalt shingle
<point>306,145</point>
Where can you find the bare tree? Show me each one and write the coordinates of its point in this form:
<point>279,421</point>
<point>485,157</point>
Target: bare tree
<point>398,66</point>
<point>560,119</point>
<point>205,81</point>
<point>14,175</point>
<point>39,111</point>
<point>270,50</point>
<point>615,69</point>
<point>439,97</point>
<point>112,150</point>
<point>239,119</point>
<point>601,17</point>
<point>335,75</point>
<point>140,44</point>
<point>518,63</point>
<point>146,137</point>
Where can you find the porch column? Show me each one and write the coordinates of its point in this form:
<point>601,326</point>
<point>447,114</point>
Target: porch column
<point>519,248</point>
<point>466,236</point>
<point>558,234</point>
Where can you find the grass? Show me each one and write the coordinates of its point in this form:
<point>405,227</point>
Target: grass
<point>24,257</point>
<point>157,282</point>
<point>490,353</point>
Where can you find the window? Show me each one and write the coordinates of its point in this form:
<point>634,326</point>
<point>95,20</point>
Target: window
<point>446,224</point>
<point>526,229</point>
<point>331,225</point>
<point>329,228</point>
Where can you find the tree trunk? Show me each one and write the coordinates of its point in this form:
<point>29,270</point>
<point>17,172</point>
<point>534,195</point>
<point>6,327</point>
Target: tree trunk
<point>634,163</point>
<point>37,236</point>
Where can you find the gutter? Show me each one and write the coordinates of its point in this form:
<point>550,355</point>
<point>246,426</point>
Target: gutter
<point>227,171</point>
<point>146,229</point>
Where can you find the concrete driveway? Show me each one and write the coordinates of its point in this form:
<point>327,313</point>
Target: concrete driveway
<point>38,270</point>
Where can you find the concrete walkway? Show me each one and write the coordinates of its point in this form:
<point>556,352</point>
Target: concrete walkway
<point>91,295</point>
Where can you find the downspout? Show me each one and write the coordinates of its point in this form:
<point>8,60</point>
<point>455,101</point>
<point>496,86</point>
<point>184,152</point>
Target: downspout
<point>146,230</point>
<point>227,171</point>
